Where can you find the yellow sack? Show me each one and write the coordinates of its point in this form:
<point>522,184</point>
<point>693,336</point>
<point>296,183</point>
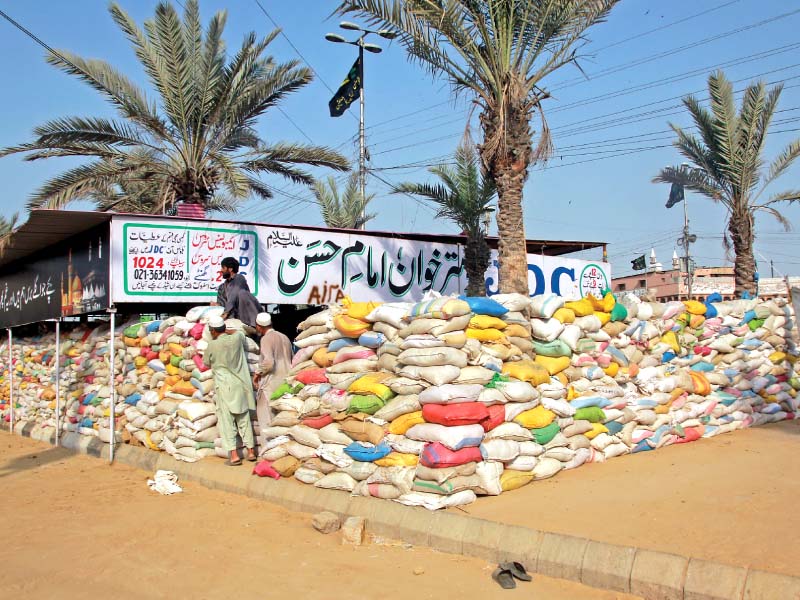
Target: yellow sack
<point>350,326</point>
<point>535,418</point>
<point>148,442</point>
<point>364,385</point>
<point>701,385</point>
<point>525,370</point>
<point>172,369</point>
<point>603,316</point>
<point>694,307</point>
<point>131,342</point>
<point>377,377</point>
<point>164,355</point>
<point>562,377</point>
<point>777,357</point>
<point>513,480</point>
<point>553,364</point>
<point>405,422</point>
<point>176,349</point>
<point>597,429</point>
<point>565,315</point>
<point>323,358</point>
<point>486,322</point>
<point>398,459</point>
<point>358,310</point>
<point>139,362</point>
<point>597,303</point>
<point>516,330</point>
<point>696,321</point>
<point>612,369</point>
<point>671,340</point>
<point>184,387</point>
<point>609,302</point>
<point>486,335</point>
<point>581,308</point>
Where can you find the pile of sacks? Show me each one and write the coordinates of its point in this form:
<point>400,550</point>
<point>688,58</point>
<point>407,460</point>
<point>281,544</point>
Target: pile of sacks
<point>164,391</point>
<point>433,403</point>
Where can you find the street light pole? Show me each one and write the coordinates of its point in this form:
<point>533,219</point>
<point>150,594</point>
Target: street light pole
<point>362,144</point>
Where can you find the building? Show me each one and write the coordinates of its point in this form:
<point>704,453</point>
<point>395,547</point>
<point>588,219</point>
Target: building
<point>672,284</point>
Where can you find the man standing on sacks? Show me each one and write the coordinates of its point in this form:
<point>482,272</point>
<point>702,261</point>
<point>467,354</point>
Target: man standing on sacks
<point>226,356</point>
<point>274,363</point>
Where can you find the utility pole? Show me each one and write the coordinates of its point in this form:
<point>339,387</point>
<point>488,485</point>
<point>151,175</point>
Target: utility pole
<point>771,268</point>
<point>686,243</point>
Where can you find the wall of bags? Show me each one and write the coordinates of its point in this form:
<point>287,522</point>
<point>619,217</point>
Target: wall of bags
<point>165,394</point>
<point>434,403</point>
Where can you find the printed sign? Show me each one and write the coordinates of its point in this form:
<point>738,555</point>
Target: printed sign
<point>180,262</point>
<point>71,279</point>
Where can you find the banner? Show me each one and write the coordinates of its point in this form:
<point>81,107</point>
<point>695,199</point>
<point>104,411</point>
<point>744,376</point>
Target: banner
<point>349,90</point>
<point>179,262</point>
<point>70,279</point>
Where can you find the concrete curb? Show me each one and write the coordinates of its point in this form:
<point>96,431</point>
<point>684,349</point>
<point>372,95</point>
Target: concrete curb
<point>651,574</point>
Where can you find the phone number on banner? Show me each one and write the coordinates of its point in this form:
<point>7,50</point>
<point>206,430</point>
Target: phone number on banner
<point>147,275</point>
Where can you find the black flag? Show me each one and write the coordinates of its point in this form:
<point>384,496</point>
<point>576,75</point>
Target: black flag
<point>348,91</point>
<point>638,264</point>
<point>675,195</point>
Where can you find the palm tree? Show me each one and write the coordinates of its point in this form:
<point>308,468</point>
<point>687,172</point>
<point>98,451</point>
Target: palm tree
<point>7,227</point>
<point>464,196</point>
<point>727,164</point>
<point>346,210</point>
<point>498,51</point>
<point>198,143</point>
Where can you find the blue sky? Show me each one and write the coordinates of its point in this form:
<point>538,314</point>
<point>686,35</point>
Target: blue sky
<point>610,129</point>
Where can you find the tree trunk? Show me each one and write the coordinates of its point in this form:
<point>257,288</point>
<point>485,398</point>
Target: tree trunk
<point>476,261</point>
<point>741,228</point>
<point>506,154</point>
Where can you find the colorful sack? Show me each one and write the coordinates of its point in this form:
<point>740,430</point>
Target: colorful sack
<point>436,456</point>
<point>468,413</point>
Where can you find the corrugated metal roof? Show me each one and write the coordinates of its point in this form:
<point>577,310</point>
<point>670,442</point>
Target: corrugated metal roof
<point>48,227</point>
<point>45,228</point>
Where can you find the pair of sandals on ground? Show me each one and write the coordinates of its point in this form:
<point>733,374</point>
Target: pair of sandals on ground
<point>505,573</point>
<point>250,457</point>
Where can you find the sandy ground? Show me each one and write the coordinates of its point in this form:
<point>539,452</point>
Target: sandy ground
<point>73,527</point>
<point>731,498</point>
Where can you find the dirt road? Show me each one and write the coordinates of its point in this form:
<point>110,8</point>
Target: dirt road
<point>730,498</point>
<point>73,527</point>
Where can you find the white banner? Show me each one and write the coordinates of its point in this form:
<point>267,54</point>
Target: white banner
<point>178,261</point>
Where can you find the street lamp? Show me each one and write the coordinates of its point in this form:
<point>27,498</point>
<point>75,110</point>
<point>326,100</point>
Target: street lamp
<point>362,45</point>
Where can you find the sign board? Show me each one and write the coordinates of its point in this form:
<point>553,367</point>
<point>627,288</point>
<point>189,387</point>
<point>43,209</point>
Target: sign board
<point>179,262</point>
<point>69,279</point>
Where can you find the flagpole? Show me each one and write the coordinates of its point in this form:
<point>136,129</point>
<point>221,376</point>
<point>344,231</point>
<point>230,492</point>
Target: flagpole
<point>362,147</point>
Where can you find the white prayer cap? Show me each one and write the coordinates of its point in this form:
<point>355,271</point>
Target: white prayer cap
<point>264,320</point>
<point>216,323</point>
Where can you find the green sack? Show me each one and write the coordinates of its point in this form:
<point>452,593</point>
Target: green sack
<point>497,378</point>
<point>544,435</point>
<point>365,403</point>
<point>619,312</point>
<point>422,485</point>
<point>593,414</point>
<point>755,324</point>
<point>132,331</point>
<point>555,348</point>
<point>175,361</point>
<point>281,390</point>
<point>585,345</point>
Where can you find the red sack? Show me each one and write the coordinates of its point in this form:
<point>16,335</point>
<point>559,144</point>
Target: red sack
<point>264,469</point>
<point>318,422</point>
<point>437,456</point>
<point>198,362</point>
<point>197,331</point>
<point>497,416</point>
<point>691,434</point>
<point>310,376</point>
<point>466,413</point>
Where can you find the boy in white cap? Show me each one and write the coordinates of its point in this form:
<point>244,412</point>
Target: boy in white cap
<point>233,389</point>
<point>274,362</point>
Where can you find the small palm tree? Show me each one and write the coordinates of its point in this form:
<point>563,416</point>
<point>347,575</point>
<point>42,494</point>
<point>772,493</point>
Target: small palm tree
<point>198,143</point>
<point>7,227</point>
<point>498,51</point>
<point>346,210</point>
<point>727,164</point>
<point>464,196</point>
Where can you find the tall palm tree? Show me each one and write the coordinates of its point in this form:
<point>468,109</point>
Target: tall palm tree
<point>197,143</point>
<point>7,227</point>
<point>498,51</point>
<point>345,210</point>
<point>727,164</point>
<point>464,196</point>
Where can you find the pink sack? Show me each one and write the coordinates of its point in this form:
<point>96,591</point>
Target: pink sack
<point>264,469</point>
<point>197,331</point>
<point>436,455</point>
<point>198,362</point>
<point>309,376</point>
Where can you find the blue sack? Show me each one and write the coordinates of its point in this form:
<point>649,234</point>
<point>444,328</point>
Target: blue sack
<point>340,343</point>
<point>485,306</point>
<point>363,453</point>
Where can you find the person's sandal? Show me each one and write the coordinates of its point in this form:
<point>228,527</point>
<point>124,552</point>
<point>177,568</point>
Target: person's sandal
<point>517,570</point>
<point>234,463</point>
<point>504,578</point>
<point>253,458</point>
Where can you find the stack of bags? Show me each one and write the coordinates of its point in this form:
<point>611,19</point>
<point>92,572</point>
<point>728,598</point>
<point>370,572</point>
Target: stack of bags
<point>434,403</point>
